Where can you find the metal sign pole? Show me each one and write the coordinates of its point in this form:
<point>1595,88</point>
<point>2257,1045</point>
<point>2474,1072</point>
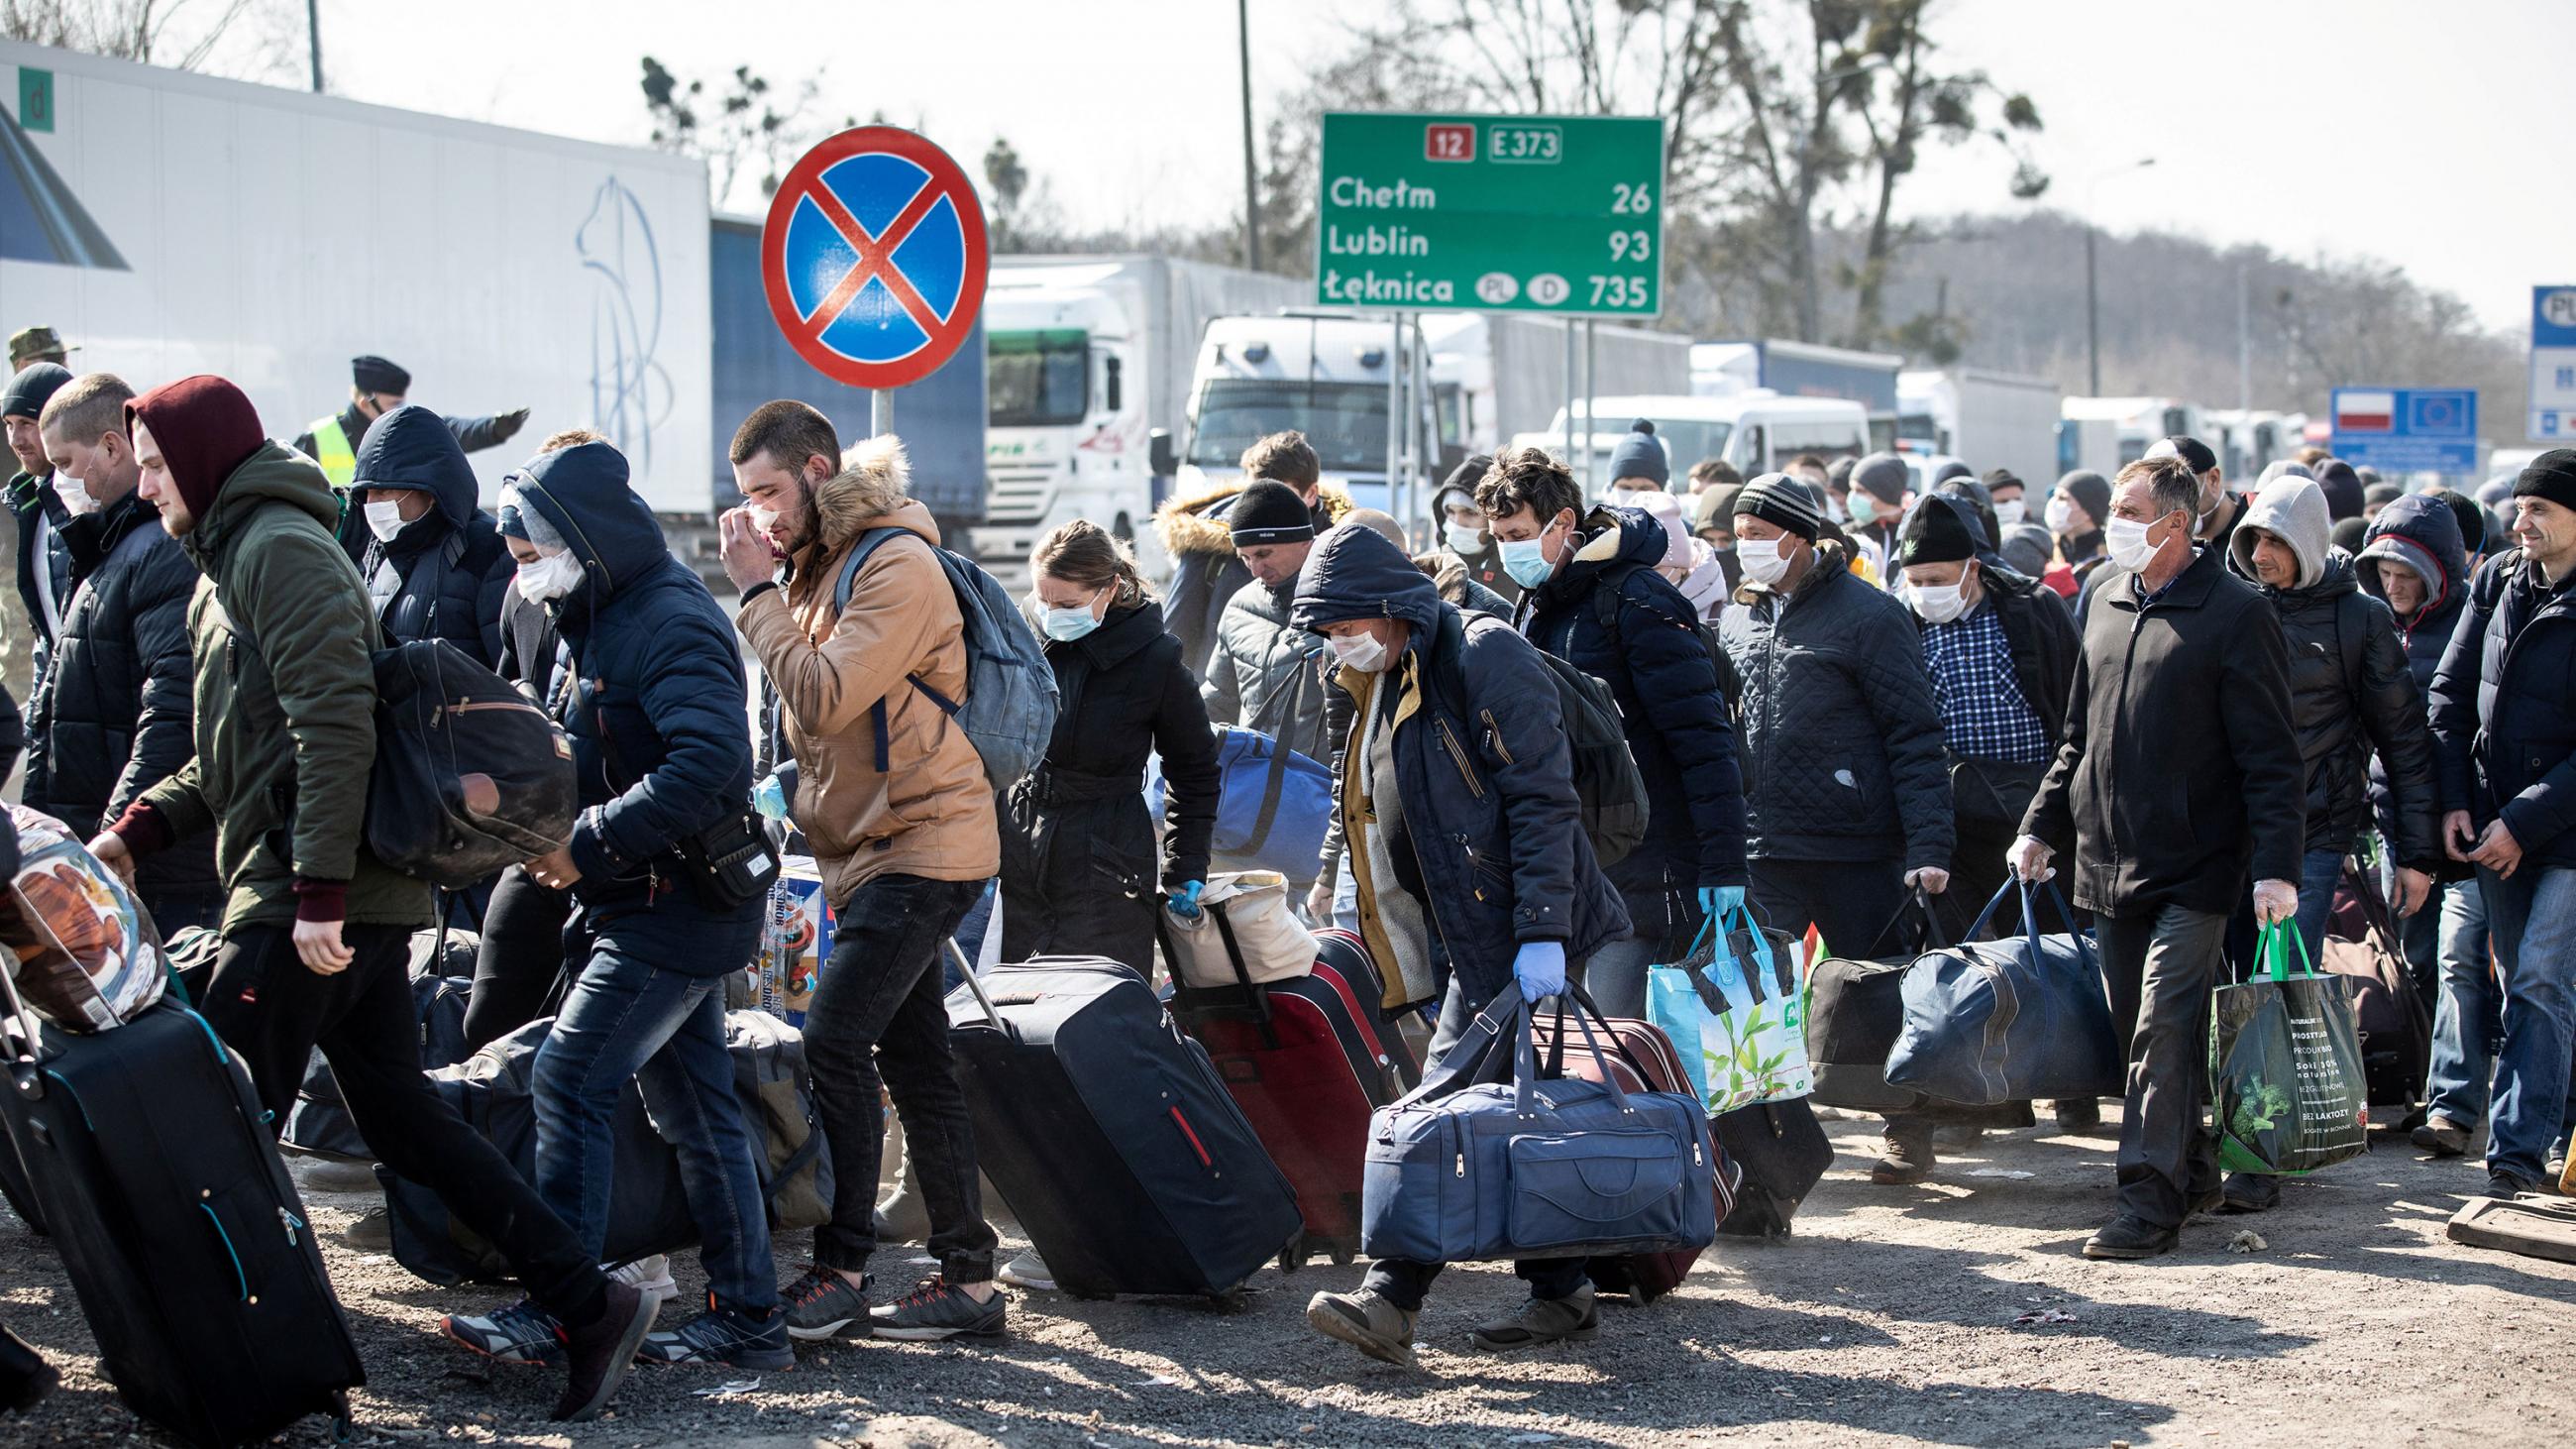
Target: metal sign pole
<point>1569,390</point>
<point>1394,404</point>
<point>880,411</point>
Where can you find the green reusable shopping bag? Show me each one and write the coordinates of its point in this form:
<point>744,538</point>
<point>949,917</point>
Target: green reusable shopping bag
<point>2285,1066</point>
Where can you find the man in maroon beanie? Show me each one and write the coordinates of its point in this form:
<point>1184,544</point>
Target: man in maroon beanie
<point>317,931</point>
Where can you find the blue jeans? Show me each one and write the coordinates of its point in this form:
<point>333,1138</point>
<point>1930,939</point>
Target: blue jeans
<point>2319,873</point>
<point>2466,1017</point>
<point>629,1018</point>
<point>2533,919</point>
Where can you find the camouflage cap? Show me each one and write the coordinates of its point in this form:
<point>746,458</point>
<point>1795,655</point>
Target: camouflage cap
<point>29,343</point>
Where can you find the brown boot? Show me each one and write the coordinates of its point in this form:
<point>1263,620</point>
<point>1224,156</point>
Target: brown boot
<point>1905,1157</point>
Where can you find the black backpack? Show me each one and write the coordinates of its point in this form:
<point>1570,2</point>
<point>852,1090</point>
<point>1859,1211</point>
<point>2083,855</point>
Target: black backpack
<point>469,775</point>
<point>1606,780</point>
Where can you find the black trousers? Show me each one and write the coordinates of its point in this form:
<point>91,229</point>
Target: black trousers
<point>1859,907</point>
<point>267,1005</point>
<point>2161,966</point>
<point>521,960</point>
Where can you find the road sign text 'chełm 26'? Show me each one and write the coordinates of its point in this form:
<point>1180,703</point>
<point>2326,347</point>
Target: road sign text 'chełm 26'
<point>1500,213</point>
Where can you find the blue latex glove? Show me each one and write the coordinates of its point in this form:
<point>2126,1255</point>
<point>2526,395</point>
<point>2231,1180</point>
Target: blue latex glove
<point>1540,969</point>
<point>1184,902</point>
<point>770,798</point>
<point>1716,902</point>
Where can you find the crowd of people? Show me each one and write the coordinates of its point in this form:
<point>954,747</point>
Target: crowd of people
<point>1853,706</point>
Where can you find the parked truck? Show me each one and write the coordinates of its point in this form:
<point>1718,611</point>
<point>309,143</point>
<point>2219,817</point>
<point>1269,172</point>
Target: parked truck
<point>2134,425</point>
<point>170,223</point>
<point>1331,376</point>
<point>1987,419</point>
<point>1498,374</point>
<point>1803,369</point>
<point>1089,358</point>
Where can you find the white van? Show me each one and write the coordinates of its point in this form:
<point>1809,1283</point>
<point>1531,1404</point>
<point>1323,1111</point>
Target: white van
<point>1756,432</point>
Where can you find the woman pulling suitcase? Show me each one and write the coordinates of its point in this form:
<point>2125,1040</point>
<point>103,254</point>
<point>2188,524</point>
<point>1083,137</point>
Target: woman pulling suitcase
<point>1079,864</point>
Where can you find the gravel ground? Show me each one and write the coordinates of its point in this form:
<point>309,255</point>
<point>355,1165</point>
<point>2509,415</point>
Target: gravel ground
<point>1957,1312</point>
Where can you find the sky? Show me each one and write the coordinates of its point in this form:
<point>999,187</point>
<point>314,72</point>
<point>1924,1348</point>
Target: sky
<point>2344,127</point>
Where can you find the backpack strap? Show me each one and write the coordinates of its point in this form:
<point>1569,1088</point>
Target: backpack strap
<point>842,587</point>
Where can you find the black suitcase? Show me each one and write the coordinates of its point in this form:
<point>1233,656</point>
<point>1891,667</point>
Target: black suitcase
<point>1783,1152</point>
<point>1110,1135</point>
<point>182,1233</point>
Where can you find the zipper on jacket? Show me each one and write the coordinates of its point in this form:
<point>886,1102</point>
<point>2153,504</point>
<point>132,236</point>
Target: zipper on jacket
<point>472,705</point>
<point>1497,731</point>
<point>1458,753</point>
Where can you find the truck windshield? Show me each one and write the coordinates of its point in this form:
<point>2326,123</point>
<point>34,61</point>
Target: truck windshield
<point>1346,421</point>
<point>1038,379</point>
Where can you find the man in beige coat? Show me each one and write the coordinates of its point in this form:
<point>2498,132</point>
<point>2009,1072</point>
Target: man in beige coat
<point>892,795</point>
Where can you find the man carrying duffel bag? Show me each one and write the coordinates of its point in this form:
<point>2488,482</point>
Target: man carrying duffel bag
<point>1469,851</point>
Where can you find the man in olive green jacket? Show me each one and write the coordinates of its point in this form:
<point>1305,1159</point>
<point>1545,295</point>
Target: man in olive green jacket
<point>317,931</point>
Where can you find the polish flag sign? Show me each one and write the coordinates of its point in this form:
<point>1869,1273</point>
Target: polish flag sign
<point>2365,412</point>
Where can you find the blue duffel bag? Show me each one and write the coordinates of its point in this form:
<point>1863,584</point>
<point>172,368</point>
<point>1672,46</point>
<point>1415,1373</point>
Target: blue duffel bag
<point>1469,1167</point>
<point>2009,1020</point>
<point>1272,804</point>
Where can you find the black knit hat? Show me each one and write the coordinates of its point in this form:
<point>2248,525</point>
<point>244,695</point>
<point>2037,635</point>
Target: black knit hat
<point>1640,454</point>
<point>2089,491</point>
<point>2002,478</point>
<point>2552,475</point>
<point>374,374</point>
<point>31,388</point>
<point>2194,453</point>
<point>1790,503</point>
<point>1937,531</point>
<point>2472,517</point>
<point>1269,512</point>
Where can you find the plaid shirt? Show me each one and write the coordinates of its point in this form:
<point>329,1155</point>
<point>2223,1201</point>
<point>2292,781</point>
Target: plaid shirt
<point>1983,713</point>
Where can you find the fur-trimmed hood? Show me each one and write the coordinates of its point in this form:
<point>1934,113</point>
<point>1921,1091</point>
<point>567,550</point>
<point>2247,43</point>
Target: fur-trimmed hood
<point>1197,525</point>
<point>872,490</point>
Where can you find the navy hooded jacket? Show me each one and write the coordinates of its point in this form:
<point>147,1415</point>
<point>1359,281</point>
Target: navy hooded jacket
<point>657,713</point>
<point>1490,822</point>
<point>1650,652</point>
<point>2413,532</point>
<point>451,566</point>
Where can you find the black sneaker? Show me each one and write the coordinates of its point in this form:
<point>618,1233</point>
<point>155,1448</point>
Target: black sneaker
<point>2078,1116</point>
<point>2127,1237</point>
<point>521,1333</point>
<point>724,1338</point>
<point>821,1304</point>
<point>937,1309</point>
<point>2504,1185</point>
<point>602,1353</point>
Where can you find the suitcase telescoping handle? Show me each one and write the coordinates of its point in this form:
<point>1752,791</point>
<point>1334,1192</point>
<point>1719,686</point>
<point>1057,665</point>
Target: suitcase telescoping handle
<point>966,969</point>
<point>24,1074</point>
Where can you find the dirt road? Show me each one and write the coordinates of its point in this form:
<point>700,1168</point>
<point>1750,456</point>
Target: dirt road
<point>1953,1313</point>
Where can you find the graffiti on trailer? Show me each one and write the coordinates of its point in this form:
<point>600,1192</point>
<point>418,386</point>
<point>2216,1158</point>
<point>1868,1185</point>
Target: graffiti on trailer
<point>630,392</point>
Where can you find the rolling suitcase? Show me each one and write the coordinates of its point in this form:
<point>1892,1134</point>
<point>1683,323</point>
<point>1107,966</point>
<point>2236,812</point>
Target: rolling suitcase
<point>1110,1135</point>
<point>184,1238</point>
<point>1349,957</point>
<point>1303,1059</point>
<point>1646,1062</point>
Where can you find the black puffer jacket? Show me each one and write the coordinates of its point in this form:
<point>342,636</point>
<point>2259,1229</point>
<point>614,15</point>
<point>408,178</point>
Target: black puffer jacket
<point>2504,710</point>
<point>2352,695</point>
<point>1842,738</point>
<point>1122,693</point>
<point>1491,824</point>
<point>1658,669</point>
<point>113,716</point>
<point>449,566</point>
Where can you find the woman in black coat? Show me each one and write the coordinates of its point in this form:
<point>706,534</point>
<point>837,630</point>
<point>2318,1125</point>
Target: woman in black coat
<point>1079,864</point>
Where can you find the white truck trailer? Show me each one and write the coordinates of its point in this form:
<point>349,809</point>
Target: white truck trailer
<point>1987,419</point>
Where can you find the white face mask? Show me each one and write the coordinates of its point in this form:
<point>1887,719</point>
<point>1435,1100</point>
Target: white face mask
<point>1359,651</point>
<point>2127,542</point>
<point>1463,537</point>
<point>766,520</point>
<point>384,520</point>
<point>550,577</point>
<point>2009,513</point>
<point>75,494</point>
<point>1937,603</point>
<point>2060,516</point>
<point>1760,559</point>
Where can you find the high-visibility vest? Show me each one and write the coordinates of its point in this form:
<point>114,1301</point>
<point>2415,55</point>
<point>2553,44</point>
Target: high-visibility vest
<point>339,463</point>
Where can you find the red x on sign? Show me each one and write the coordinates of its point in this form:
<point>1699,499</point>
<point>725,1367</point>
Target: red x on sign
<point>874,257</point>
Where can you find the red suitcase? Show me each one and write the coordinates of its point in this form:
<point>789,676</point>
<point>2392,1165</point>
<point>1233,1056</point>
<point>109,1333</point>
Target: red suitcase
<point>1644,1060</point>
<point>1305,1060</point>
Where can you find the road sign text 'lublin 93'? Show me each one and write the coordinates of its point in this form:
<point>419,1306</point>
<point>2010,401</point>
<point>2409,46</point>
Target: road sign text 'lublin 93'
<point>1504,213</point>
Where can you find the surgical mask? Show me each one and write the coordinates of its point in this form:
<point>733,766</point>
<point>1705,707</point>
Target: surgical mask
<point>766,520</point>
<point>1463,538</point>
<point>1937,603</point>
<point>2009,513</point>
<point>550,577</point>
<point>2060,516</point>
<point>1760,559</point>
<point>385,520</point>
<point>1358,651</point>
<point>1861,508</point>
<point>75,494</point>
<point>2126,540</point>
<point>1067,625</point>
<point>1525,562</point>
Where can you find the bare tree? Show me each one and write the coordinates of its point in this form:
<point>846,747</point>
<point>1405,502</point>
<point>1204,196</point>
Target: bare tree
<point>174,33</point>
<point>743,128</point>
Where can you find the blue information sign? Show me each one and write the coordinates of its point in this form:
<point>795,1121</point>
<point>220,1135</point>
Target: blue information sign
<point>2407,429</point>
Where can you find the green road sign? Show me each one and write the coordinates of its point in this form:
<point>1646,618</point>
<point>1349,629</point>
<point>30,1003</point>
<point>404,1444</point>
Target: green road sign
<point>35,98</point>
<point>1501,213</point>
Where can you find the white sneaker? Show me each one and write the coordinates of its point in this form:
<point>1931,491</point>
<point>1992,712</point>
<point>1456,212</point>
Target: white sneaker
<point>649,1276</point>
<point>1028,1271</point>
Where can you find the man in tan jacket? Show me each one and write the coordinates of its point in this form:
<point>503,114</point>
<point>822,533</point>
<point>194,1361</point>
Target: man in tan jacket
<point>892,795</point>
